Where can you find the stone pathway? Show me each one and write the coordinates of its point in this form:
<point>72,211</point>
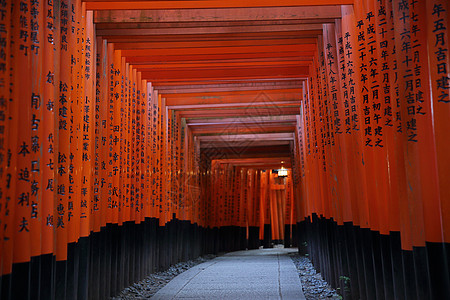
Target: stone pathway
<point>252,274</point>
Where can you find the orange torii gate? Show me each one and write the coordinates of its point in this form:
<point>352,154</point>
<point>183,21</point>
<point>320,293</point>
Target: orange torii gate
<point>134,134</point>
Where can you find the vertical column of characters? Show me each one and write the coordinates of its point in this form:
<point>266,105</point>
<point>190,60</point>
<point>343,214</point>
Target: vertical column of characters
<point>373,27</point>
<point>138,142</point>
<point>107,205</point>
<point>76,106</point>
<point>115,124</point>
<point>398,170</point>
<point>196,175</point>
<point>351,40</point>
<point>144,159</point>
<point>89,126</point>
<point>407,109</point>
<point>141,148</point>
<point>336,105</point>
<point>346,112</point>
<point>180,169</point>
<point>169,163</point>
<point>423,115</point>
<point>176,184</point>
<point>22,95</point>
<point>132,139</point>
<point>315,158</point>
<point>306,121</point>
<point>101,93</point>
<point>51,49</point>
<point>197,151</point>
<point>146,147</point>
<point>296,165</point>
<point>156,151</point>
<point>300,184</point>
<point>11,137</point>
<point>386,64</point>
<point>181,123</point>
<point>113,128</point>
<point>183,175</point>
<point>160,156</point>
<point>328,190</point>
<point>37,128</point>
<point>314,188</point>
<point>151,150</point>
<point>127,166</point>
<point>326,135</point>
<point>122,141</point>
<point>63,127</point>
<point>438,39</point>
<point>130,143</point>
<point>365,46</point>
<point>153,144</point>
<point>5,113</point>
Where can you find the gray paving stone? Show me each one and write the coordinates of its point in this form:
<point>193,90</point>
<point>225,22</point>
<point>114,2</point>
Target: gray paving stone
<point>253,274</point>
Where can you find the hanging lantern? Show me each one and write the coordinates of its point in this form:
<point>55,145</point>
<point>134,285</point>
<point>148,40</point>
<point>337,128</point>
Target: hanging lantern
<point>282,172</point>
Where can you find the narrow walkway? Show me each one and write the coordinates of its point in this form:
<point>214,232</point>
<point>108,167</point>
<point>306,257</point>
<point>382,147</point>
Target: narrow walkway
<point>253,274</point>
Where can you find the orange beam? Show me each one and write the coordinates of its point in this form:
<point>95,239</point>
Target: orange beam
<point>219,50</point>
<point>132,25</point>
<point>179,35</point>
<point>208,30</point>
<point>252,86</point>
<point>155,5</point>
<point>210,44</point>
<point>243,129</point>
<point>210,66</point>
<point>247,119</point>
<point>197,57</point>
<point>237,73</point>
<point>233,97</point>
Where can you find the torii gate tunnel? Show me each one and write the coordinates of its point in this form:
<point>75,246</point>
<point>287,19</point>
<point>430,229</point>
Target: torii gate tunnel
<point>136,134</point>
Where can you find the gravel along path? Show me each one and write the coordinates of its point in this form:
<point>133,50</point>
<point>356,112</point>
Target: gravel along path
<point>147,287</point>
<point>314,287</point>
